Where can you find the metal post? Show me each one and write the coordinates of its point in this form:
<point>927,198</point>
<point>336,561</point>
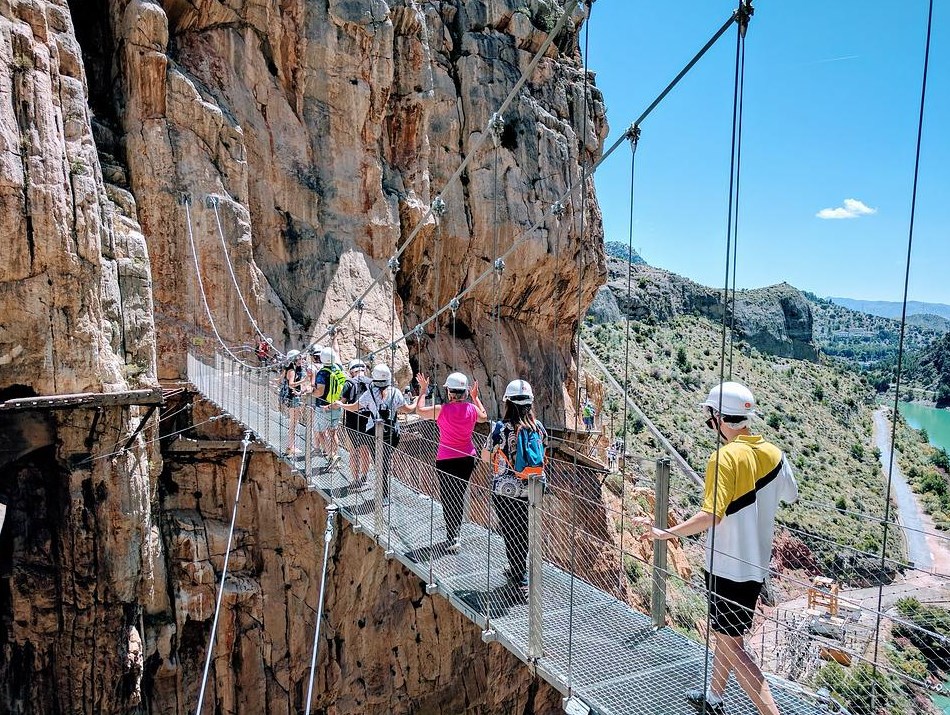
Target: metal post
<point>661,521</point>
<point>535,577</point>
<point>308,445</point>
<point>379,485</point>
<point>221,370</point>
<point>241,413</point>
<point>327,538</point>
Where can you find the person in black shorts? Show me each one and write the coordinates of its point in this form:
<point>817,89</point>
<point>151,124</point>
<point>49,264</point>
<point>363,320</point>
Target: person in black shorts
<point>354,423</point>
<point>746,479</point>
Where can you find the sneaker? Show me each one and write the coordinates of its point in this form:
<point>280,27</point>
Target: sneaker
<point>454,546</point>
<point>333,462</point>
<point>697,698</point>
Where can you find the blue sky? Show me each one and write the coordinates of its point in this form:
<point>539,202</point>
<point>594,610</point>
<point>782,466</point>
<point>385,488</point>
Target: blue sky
<point>832,95</point>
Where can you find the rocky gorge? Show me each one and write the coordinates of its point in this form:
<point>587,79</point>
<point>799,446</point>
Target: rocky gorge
<point>297,144</point>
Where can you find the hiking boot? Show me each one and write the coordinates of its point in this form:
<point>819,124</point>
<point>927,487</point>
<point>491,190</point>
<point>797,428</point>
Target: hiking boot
<point>454,546</point>
<point>697,698</point>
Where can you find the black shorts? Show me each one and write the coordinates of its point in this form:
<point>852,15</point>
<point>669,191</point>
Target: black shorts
<point>731,604</point>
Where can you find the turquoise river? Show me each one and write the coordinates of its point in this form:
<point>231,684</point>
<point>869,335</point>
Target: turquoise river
<point>936,422</point>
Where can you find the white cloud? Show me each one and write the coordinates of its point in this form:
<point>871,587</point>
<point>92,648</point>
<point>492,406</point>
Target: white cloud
<point>851,208</point>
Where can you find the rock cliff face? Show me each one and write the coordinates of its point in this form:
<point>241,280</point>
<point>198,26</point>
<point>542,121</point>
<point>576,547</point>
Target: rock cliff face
<point>776,320</point>
<point>282,150</point>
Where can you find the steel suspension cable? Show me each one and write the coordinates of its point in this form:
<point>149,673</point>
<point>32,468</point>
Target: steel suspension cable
<point>900,347</point>
<point>634,141</point>
<point>743,15</point>
<point>569,8</point>
<point>204,297</point>
<point>224,573</point>
<point>579,272</point>
<point>213,202</point>
<point>555,208</point>
<point>318,619</point>
<point>734,216</point>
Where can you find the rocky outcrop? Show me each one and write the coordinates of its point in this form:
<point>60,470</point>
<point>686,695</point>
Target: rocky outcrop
<point>776,320</point>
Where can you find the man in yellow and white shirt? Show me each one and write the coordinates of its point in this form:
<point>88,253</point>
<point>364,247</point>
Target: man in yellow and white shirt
<point>746,479</point>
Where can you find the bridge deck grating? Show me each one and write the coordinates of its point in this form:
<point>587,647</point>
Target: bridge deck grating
<point>606,652</point>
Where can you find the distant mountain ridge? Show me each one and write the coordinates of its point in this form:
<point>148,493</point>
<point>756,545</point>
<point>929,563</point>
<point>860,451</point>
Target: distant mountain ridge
<point>776,320</point>
<point>892,309</point>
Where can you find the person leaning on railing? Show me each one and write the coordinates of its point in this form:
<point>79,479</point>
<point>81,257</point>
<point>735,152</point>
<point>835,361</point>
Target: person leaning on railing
<point>746,479</point>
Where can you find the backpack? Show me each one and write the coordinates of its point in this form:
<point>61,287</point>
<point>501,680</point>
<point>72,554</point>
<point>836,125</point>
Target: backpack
<point>353,388</point>
<point>529,453</point>
<point>336,379</point>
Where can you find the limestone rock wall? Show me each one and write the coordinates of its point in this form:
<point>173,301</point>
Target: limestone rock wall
<point>76,307</point>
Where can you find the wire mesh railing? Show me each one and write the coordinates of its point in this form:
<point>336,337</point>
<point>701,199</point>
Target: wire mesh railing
<point>559,576</point>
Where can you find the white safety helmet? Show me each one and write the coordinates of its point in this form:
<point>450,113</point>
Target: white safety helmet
<point>357,364</point>
<point>456,382</point>
<point>519,392</point>
<point>292,355</point>
<point>328,357</point>
<point>382,375</point>
<point>736,400</point>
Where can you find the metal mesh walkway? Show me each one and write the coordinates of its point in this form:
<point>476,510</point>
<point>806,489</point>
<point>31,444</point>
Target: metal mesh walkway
<point>596,647</point>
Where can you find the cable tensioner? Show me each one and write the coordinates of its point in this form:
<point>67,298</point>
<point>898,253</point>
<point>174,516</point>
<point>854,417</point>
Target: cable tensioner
<point>744,13</point>
<point>393,265</point>
<point>360,305</point>
<point>557,209</point>
<point>499,266</point>
<point>454,305</point>
<point>633,133</point>
<point>211,201</point>
<point>438,207</point>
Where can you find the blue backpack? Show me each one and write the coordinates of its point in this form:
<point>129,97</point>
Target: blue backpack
<point>529,453</point>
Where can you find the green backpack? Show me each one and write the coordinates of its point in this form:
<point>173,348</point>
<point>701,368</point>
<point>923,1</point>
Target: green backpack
<point>335,382</point>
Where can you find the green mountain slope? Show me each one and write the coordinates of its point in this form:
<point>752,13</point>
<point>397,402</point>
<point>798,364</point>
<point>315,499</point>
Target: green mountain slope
<point>819,413</point>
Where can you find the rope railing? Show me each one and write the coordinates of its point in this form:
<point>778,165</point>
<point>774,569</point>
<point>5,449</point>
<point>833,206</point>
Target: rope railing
<point>621,663</point>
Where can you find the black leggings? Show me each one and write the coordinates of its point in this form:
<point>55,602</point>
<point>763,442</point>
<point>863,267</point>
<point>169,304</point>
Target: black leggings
<point>454,475</point>
<point>513,525</point>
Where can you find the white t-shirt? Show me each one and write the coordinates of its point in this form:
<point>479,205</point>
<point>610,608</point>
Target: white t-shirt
<point>371,400</point>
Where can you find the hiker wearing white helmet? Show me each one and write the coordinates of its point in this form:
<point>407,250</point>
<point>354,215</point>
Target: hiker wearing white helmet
<point>327,390</point>
<point>354,423</point>
<point>289,397</point>
<point>746,478</point>
<point>515,449</point>
<point>455,456</point>
<point>383,402</point>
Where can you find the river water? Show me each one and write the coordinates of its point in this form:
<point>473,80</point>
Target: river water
<point>936,422</point>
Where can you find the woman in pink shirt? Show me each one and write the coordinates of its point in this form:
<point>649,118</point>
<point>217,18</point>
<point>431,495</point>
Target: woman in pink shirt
<point>455,458</point>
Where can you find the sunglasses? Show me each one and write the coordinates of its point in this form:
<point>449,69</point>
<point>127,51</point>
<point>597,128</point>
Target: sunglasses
<point>711,419</point>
